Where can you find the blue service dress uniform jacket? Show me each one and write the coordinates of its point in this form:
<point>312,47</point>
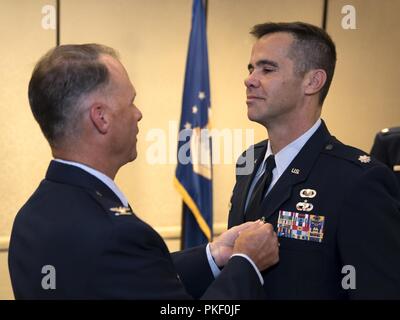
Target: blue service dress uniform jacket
<point>386,148</point>
<point>335,210</point>
<point>99,250</point>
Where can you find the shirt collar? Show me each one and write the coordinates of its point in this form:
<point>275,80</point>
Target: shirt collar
<point>101,176</point>
<point>285,156</point>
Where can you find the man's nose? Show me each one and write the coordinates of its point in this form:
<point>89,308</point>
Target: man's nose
<point>138,114</point>
<point>251,81</point>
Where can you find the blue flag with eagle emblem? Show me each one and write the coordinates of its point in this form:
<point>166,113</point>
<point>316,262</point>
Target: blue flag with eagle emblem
<point>193,178</point>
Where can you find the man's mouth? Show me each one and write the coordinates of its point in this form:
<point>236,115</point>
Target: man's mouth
<point>251,98</point>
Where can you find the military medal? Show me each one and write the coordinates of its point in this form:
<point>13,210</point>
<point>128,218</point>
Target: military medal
<point>301,226</point>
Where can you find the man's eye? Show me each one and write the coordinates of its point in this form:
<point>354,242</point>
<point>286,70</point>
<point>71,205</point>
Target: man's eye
<point>267,70</point>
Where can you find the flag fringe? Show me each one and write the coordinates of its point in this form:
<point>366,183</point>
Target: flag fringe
<point>187,199</point>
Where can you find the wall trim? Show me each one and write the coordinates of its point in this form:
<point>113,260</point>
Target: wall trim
<point>168,233</point>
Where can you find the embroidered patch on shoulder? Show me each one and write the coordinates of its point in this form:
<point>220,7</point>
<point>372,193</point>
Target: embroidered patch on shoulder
<point>301,226</point>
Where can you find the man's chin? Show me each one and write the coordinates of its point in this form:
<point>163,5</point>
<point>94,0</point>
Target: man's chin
<point>132,157</point>
<point>251,115</point>
<point>257,119</point>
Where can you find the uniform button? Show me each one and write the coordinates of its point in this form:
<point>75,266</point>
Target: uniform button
<point>329,147</point>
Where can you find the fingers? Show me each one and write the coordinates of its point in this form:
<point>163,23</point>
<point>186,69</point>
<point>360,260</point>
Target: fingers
<point>264,227</point>
<point>275,249</point>
<point>244,226</point>
<point>260,242</point>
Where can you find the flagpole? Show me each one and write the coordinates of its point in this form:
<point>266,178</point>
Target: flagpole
<point>58,23</point>
<point>184,206</point>
<point>325,14</point>
<point>193,181</point>
<point>206,9</point>
<point>183,221</point>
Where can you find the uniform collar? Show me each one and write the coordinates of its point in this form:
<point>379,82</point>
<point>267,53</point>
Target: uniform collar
<point>75,175</point>
<point>285,156</point>
<point>99,175</point>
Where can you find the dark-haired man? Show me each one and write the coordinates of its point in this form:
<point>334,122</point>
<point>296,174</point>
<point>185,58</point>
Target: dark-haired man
<point>335,210</point>
<point>77,237</point>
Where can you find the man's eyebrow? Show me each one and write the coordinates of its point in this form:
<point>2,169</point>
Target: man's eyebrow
<point>263,62</point>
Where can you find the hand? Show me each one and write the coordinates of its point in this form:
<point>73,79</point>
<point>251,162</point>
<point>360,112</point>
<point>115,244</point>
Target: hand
<point>260,243</point>
<point>222,247</point>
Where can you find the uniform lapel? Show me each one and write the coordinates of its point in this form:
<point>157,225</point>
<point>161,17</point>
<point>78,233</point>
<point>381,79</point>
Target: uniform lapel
<point>259,154</point>
<point>297,172</point>
<point>243,184</point>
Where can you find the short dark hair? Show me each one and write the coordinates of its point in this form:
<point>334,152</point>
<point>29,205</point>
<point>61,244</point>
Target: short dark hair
<point>312,48</point>
<point>60,79</point>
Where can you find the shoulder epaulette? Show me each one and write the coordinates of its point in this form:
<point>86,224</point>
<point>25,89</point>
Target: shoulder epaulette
<point>389,131</point>
<point>351,154</point>
<point>110,206</point>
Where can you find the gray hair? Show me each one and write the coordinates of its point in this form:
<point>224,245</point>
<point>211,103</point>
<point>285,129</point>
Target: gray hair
<point>61,78</point>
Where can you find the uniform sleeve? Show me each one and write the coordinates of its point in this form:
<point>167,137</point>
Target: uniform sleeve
<point>369,235</point>
<point>194,270</point>
<point>135,264</point>
<point>237,281</point>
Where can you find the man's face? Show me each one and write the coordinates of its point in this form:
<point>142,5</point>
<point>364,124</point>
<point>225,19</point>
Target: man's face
<point>123,111</point>
<point>274,91</point>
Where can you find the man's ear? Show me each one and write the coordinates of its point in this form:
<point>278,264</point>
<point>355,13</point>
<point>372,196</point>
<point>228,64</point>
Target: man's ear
<point>99,117</point>
<point>314,81</point>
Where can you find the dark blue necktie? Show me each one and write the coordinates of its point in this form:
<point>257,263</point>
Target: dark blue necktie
<point>260,190</point>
